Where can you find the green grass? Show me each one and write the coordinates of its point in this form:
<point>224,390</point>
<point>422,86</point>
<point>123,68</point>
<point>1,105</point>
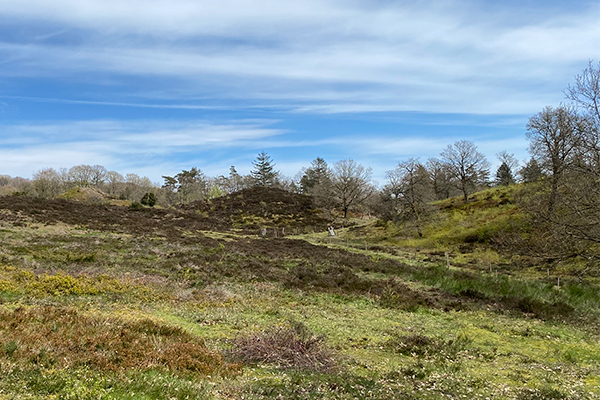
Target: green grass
<point>398,327</point>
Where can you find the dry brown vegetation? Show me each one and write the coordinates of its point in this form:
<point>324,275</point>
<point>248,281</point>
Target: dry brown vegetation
<point>151,221</point>
<point>290,345</point>
<point>64,337</point>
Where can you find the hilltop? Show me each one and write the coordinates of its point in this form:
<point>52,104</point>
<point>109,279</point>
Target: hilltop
<point>257,207</point>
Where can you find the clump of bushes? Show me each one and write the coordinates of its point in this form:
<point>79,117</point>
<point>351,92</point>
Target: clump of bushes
<point>395,294</point>
<point>64,285</point>
<point>19,280</point>
<point>7,286</point>
<point>149,199</point>
<point>289,345</point>
<point>64,256</point>
<point>135,206</point>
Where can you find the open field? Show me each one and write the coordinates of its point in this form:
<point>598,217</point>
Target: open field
<point>108,302</point>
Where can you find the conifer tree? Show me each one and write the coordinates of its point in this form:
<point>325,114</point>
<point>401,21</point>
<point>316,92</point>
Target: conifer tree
<point>504,176</point>
<point>317,176</point>
<point>264,173</point>
<point>531,172</point>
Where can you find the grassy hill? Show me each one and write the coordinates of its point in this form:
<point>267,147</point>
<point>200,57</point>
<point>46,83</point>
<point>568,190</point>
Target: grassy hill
<point>100,301</point>
<point>488,232</point>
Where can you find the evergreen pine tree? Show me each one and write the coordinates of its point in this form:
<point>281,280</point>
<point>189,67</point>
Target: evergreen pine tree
<point>264,173</point>
<point>531,172</point>
<point>318,174</point>
<point>504,176</point>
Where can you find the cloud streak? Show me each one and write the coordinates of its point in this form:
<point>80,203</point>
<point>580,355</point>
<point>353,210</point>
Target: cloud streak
<point>157,86</point>
<point>126,144</point>
<point>148,147</point>
<point>316,57</point>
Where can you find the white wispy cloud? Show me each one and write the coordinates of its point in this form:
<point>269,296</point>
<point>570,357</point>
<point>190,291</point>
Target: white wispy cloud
<point>317,56</point>
<point>123,145</point>
<point>456,62</point>
<point>147,147</point>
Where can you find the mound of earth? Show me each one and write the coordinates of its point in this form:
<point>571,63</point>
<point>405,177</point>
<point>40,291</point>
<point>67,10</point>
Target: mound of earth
<point>264,207</point>
<point>85,194</point>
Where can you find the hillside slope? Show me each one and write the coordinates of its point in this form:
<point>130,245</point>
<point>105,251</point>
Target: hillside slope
<point>491,231</point>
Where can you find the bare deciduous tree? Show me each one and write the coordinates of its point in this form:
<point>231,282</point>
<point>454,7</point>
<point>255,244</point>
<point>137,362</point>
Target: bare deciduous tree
<point>554,136</point>
<point>410,188</point>
<point>113,181</point>
<point>467,166</point>
<point>46,183</point>
<point>350,184</point>
<point>564,207</point>
<point>441,178</point>
<point>586,91</point>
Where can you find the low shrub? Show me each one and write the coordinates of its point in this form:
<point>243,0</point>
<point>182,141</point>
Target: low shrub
<point>394,294</point>
<point>64,285</point>
<point>149,199</point>
<point>6,286</point>
<point>24,281</point>
<point>135,206</point>
<point>289,345</point>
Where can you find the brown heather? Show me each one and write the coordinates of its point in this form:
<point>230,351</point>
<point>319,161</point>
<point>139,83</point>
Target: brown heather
<point>289,346</point>
<point>63,337</point>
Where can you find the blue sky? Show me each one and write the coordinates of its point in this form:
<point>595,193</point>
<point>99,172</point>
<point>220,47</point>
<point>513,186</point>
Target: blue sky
<point>155,86</point>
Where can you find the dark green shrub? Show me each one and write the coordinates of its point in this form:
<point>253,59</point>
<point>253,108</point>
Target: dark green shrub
<point>10,348</point>
<point>149,199</point>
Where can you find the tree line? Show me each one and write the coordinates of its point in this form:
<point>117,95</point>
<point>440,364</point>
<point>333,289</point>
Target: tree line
<point>347,184</point>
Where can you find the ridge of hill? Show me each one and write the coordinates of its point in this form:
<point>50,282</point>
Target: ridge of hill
<point>86,194</point>
<point>103,217</point>
<point>248,211</point>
